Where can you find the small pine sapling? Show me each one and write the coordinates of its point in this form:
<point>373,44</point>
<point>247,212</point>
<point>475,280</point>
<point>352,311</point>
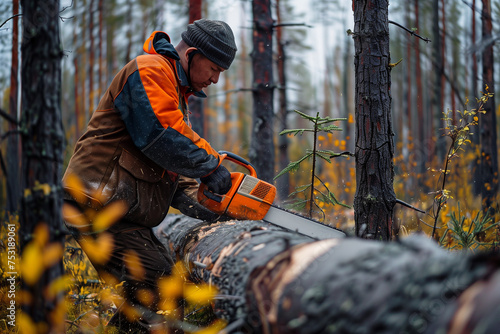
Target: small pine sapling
<point>470,237</point>
<point>459,134</point>
<point>313,194</point>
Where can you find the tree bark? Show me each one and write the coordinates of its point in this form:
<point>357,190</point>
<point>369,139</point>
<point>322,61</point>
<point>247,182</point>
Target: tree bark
<point>375,199</point>
<point>91,52</point>
<point>130,30</point>
<point>244,119</point>
<point>111,31</point>
<point>283,183</point>
<point>100,73</point>
<point>409,79</point>
<point>406,116</point>
<point>262,144</point>
<point>476,138</point>
<point>197,116</point>
<point>83,70</point>
<point>474,56</point>
<point>489,153</point>
<point>76,78</point>
<point>443,56</point>
<point>275,281</point>
<point>195,10</point>
<point>435,111</point>
<point>42,151</point>
<point>419,136</point>
<point>13,179</point>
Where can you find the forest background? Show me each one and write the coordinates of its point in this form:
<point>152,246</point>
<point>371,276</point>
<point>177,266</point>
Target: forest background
<point>436,78</point>
<point>433,76</point>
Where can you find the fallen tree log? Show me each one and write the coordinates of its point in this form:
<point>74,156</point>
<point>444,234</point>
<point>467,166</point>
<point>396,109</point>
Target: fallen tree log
<point>276,281</point>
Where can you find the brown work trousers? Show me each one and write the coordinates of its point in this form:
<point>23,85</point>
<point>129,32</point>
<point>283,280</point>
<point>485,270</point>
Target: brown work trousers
<point>155,262</point>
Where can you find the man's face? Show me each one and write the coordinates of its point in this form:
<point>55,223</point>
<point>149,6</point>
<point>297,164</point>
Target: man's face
<point>203,72</point>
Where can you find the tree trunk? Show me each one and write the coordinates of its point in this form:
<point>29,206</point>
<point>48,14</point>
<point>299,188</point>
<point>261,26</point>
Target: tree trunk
<point>195,10</point>
<point>275,281</point>
<point>197,116</point>
<point>474,56</point>
<point>374,200</point>
<point>283,183</point>
<point>435,111</point>
<point>42,154</point>
<point>91,58</point>
<point>83,70</point>
<point>111,31</point>
<point>347,95</point>
<point>13,180</point>
<point>407,115</point>
<point>443,57</point>
<point>409,72</point>
<point>476,187</point>
<point>244,119</point>
<point>100,74</point>
<point>262,144</point>
<point>489,153</point>
<point>419,136</point>
<point>76,77</point>
<point>226,126</point>
<point>130,30</point>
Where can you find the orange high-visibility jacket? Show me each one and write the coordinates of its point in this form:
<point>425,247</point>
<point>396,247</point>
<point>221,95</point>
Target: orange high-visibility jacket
<point>139,140</point>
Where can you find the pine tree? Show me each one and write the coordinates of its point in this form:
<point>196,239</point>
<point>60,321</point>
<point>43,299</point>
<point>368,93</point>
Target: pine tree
<point>42,152</point>
<point>375,199</point>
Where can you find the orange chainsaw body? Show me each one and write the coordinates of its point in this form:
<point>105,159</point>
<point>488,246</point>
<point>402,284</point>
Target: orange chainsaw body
<point>249,197</point>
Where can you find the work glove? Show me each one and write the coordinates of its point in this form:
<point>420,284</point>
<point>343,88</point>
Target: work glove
<point>219,181</point>
<point>191,208</point>
<point>185,200</point>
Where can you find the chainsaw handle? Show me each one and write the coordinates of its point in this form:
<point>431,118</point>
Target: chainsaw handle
<point>238,160</point>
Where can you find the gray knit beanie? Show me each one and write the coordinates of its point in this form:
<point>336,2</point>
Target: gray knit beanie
<point>214,39</point>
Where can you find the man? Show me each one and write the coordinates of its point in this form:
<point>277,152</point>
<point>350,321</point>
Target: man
<point>139,149</point>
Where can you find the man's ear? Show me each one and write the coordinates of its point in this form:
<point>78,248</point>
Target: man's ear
<point>188,51</point>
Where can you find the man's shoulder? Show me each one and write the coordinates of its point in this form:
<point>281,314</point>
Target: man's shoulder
<point>153,60</point>
<point>157,67</point>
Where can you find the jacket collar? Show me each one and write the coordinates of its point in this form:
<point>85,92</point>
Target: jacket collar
<point>159,43</point>
<point>184,80</point>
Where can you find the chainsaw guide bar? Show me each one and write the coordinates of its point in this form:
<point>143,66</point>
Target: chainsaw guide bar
<point>295,222</point>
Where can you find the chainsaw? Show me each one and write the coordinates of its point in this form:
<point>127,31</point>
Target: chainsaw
<point>252,199</point>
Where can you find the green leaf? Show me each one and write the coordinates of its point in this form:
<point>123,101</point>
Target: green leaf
<point>306,116</point>
<point>330,128</point>
<point>301,189</point>
<point>292,166</point>
<point>294,131</point>
<point>324,156</point>
<point>328,152</point>
<point>441,240</point>
<point>298,205</point>
<point>331,197</point>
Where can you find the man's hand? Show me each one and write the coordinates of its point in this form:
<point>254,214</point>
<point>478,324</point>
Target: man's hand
<point>219,181</point>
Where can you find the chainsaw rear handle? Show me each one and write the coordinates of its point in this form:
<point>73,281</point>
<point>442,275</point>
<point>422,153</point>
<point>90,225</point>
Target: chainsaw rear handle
<point>235,177</point>
<point>238,160</point>
<point>235,180</point>
<point>233,204</point>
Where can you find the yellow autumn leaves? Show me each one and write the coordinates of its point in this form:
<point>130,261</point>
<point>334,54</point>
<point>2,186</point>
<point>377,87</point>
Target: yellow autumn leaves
<point>177,286</point>
<point>92,224</point>
<point>39,254</point>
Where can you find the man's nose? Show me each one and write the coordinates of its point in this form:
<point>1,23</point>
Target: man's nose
<point>215,77</point>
